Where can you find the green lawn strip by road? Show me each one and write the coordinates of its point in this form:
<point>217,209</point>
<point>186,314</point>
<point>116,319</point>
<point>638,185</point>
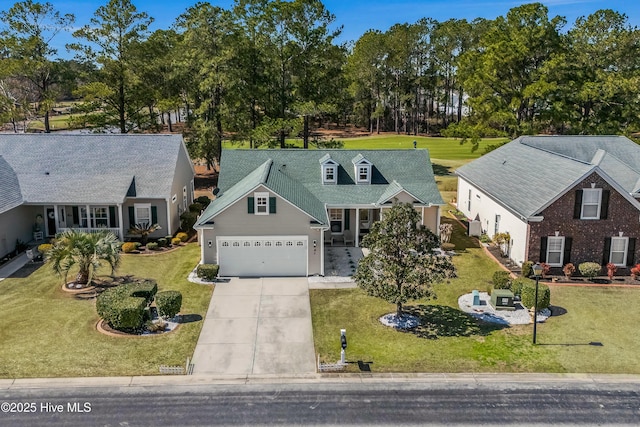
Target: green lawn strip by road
<point>46,332</point>
<point>452,342</point>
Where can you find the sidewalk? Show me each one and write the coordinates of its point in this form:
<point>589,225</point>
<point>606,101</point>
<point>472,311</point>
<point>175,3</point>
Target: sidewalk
<point>12,266</point>
<point>442,379</point>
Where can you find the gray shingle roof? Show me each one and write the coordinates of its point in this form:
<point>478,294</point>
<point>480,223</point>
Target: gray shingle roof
<point>10,195</point>
<point>527,173</point>
<point>96,168</point>
<point>296,175</point>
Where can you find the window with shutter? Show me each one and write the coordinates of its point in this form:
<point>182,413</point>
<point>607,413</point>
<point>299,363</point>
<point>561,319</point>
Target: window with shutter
<point>618,251</point>
<point>591,198</point>
<point>555,251</point>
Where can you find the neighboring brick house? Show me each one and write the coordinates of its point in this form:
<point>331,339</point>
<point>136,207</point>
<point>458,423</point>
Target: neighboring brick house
<point>561,198</point>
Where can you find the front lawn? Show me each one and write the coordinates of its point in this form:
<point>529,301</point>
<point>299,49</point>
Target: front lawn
<point>46,332</point>
<point>452,342</point>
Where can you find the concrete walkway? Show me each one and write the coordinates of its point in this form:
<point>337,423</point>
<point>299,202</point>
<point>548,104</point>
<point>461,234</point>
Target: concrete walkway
<point>12,266</point>
<point>257,326</point>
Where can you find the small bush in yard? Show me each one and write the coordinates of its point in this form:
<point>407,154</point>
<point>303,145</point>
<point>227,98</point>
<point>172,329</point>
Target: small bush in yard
<point>182,236</point>
<point>129,247</point>
<point>44,247</point>
<point>204,201</point>
<point>529,295</point>
<point>195,207</point>
<point>162,242</point>
<point>176,241</point>
<point>589,269</point>
<point>527,268</point>
<point>187,220</point>
<point>568,270</point>
<point>208,271</point>
<point>168,303</point>
<point>519,283</point>
<point>152,246</point>
<point>137,244</point>
<point>501,280</point>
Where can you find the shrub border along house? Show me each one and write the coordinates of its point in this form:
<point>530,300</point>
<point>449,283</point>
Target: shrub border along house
<point>207,271</point>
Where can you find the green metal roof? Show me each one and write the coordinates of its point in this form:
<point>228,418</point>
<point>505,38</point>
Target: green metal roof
<point>296,175</point>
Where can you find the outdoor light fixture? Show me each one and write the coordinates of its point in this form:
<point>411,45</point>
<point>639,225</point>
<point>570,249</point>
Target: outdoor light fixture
<point>537,272</point>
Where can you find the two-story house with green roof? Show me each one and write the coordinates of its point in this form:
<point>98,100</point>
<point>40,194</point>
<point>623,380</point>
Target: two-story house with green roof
<point>562,199</point>
<point>276,210</point>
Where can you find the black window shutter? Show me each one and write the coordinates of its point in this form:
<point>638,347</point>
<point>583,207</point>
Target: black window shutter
<point>76,215</point>
<point>604,204</point>
<point>154,215</point>
<point>250,205</point>
<point>543,249</point>
<point>566,258</point>
<point>112,216</point>
<point>577,207</point>
<point>346,219</point>
<point>606,254</point>
<point>631,252</point>
<point>132,216</point>
<point>272,205</point>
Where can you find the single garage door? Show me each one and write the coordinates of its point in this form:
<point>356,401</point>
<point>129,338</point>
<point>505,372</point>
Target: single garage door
<point>262,256</point>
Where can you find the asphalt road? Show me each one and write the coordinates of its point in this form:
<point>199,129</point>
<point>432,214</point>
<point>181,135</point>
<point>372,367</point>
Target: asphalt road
<point>324,404</point>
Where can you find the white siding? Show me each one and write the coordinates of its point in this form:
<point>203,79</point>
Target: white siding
<point>486,209</point>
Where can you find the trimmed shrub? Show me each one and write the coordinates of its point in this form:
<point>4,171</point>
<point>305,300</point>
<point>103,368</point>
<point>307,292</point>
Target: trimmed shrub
<point>519,283</point>
<point>176,241</point>
<point>137,244</point>
<point>589,269</point>
<point>187,220</point>
<point>129,247</point>
<point>44,247</point>
<point>195,207</point>
<point>146,289</point>
<point>448,246</point>
<point>153,246</point>
<point>527,268</point>
<point>501,280</point>
<point>162,242</point>
<point>204,201</point>
<point>121,307</point>
<point>183,237</point>
<point>168,303</point>
<point>529,295</point>
<point>207,271</point>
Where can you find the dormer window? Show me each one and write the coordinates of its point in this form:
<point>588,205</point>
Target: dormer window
<point>329,170</point>
<point>330,173</point>
<point>362,169</point>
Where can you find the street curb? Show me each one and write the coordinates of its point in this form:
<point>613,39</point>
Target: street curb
<point>435,379</point>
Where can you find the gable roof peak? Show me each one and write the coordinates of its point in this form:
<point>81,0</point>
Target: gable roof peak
<point>360,159</point>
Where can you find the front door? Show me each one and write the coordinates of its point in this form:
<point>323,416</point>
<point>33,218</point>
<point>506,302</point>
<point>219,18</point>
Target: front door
<point>51,222</point>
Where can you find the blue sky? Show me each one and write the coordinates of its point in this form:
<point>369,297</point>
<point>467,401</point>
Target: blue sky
<point>358,16</point>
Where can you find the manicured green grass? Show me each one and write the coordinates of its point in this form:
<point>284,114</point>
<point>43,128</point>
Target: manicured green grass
<point>451,341</point>
<point>46,332</point>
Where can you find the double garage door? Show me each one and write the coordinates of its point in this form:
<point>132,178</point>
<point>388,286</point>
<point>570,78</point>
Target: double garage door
<point>262,256</point>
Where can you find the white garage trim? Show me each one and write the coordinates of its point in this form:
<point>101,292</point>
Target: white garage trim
<point>263,256</point>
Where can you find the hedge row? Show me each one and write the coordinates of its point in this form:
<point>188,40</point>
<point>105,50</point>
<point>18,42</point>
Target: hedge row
<point>168,303</point>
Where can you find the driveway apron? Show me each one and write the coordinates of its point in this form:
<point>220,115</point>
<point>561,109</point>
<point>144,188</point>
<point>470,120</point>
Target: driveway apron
<point>257,326</point>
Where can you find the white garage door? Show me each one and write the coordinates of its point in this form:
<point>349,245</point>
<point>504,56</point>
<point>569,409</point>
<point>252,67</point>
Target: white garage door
<point>262,256</point>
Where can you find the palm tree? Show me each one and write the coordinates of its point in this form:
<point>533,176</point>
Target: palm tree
<point>86,251</point>
<point>143,230</point>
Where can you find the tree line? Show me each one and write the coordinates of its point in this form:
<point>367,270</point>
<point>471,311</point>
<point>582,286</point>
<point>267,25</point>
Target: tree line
<point>264,70</point>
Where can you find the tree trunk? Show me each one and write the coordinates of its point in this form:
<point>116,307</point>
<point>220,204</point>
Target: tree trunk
<point>169,121</point>
<point>82,277</point>
<point>305,132</point>
<point>47,128</point>
<point>399,313</point>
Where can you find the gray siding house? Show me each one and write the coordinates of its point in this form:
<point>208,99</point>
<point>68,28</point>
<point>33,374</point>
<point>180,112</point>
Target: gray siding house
<point>54,182</point>
<point>277,209</point>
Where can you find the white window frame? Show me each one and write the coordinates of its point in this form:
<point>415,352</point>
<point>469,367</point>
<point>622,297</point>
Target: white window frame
<point>257,197</point>
<point>363,170</point>
<point>139,220</point>
<point>585,192</point>
<point>94,218</point>
<point>624,251</point>
<point>336,214</point>
<point>550,239</point>
<point>334,172</point>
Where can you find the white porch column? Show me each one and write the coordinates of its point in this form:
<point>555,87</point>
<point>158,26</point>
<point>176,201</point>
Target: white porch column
<point>89,221</point>
<point>120,223</point>
<point>357,227</point>
<point>422,211</point>
<point>322,231</point>
<point>201,241</point>
<point>437,230</point>
<point>55,218</point>
<point>169,230</point>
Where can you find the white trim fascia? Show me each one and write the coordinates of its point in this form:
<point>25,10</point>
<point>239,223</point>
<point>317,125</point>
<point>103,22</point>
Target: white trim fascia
<point>270,190</point>
<point>537,218</point>
<point>400,191</point>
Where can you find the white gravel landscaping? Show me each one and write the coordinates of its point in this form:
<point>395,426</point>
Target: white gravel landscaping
<point>486,312</point>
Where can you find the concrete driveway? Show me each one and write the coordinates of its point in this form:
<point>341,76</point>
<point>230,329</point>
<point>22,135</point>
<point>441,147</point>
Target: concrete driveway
<point>257,326</point>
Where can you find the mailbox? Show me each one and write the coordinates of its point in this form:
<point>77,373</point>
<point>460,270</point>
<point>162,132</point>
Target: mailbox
<point>343,338</point>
